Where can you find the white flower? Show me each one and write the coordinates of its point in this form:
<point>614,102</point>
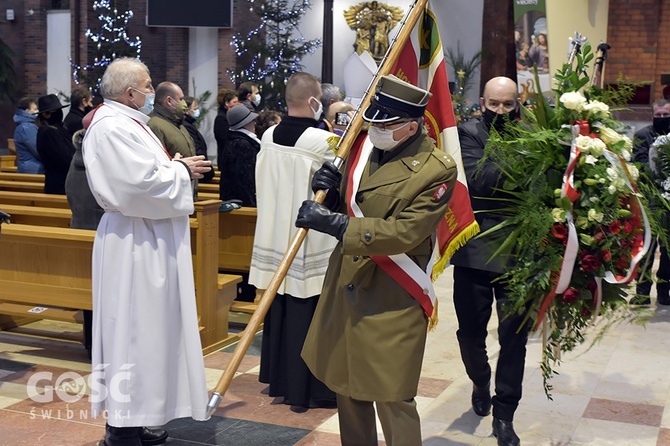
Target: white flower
<point>573,100</point>
<point>634,173</point>
<point>611,189</point>
<point>625,154</point>
<point>612,173</point>
<point>558,215</point>
<point>597,147</point>
<point>627,143</point>
<point>590,159</point>
<point>596,216</point>
<point>594,199</point>
<point>597,106</point>
<point>608,135</point>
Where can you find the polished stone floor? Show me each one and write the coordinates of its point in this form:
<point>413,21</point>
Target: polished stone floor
<point>616,393</point>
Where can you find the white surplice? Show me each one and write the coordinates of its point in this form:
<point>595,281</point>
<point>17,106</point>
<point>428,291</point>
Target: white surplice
<point>147,358</point>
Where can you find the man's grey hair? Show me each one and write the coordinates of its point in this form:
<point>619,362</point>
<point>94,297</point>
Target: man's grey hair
<point>122,73</point>
<point>330,93</point>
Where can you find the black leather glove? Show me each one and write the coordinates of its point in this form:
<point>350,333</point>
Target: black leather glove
<point>4,217</point>
<point>313,215</point>
<point>327,177</point>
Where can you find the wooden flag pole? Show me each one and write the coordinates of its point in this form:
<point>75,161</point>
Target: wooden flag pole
<point>343,147</point>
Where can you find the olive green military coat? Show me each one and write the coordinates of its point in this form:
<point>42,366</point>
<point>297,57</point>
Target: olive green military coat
<point>367,337</point>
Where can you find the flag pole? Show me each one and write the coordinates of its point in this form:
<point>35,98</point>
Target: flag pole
<point>343,147</point>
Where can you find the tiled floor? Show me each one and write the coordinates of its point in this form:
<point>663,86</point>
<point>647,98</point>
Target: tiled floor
<point>616,393</point>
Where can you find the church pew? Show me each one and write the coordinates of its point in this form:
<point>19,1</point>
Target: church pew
<point>50,267</point>
<point>33,199</point>
<point>28,177</point>
<point>21,186</point>
<point>236,228</point>
<point>208,187</point>
<point>8,163</point>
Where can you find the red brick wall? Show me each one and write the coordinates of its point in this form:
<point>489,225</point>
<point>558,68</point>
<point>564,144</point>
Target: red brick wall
<point>639,33</point>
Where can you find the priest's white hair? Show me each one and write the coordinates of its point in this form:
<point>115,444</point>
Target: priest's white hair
<point>122,73</point>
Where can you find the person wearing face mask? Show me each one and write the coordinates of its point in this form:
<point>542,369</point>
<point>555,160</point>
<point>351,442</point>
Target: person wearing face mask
<point>476,272</point>
<point>81,102</point>
<point>643,140</point>
<point>249,95</point>
<point>167,120</point>
<point>290,153</point>
<point>190,118</point>
<point>146,339</point>
<point>25,137</point>
<point>54,144</point>
<point>368,335</point>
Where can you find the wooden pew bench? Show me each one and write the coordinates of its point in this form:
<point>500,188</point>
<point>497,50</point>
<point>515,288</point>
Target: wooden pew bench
<point>26,177</point>
<point>33,199</point>
<point>45,271</point>
<point>8,163</point>
<point>21,186</point>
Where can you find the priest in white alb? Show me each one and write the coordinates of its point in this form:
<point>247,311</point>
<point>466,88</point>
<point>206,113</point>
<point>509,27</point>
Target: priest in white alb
<point>147,358</point>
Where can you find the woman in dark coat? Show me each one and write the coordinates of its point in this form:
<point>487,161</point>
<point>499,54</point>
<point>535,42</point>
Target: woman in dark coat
<point>54,144</point>
<point>238,165</point>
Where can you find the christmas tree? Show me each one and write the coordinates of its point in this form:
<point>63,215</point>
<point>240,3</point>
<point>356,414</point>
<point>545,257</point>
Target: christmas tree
<point>269,54</point>
<point>109,42</point>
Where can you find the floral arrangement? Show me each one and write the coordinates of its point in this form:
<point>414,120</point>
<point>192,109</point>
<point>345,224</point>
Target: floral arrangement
<point>575,222</point>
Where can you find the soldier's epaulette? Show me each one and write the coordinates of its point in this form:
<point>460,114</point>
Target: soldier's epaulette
<point>444,158</point>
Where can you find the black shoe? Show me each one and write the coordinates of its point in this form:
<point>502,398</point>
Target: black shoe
<point>153,436</point>
<point>122,436</point>
<point>481,400</point>
<point>504,432</point>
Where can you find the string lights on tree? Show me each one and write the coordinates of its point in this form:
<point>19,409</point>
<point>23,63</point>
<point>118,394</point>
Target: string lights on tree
<point>269,54</point>
<point>109,42</point>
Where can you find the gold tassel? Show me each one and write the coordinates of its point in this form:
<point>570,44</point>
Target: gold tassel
<point>432,320</point>
<point>467,233</point>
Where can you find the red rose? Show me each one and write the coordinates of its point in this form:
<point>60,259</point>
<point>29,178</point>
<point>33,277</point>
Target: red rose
<point>627,227</point>
<point>605,255</point>
<point>590,262</point>
<point>559,231</point>
<point>615,227</point>
<point>625,244</point>
<point>623,263</point>
<point>599,236</point>
<point>570,295</point>
<point>586,312</point>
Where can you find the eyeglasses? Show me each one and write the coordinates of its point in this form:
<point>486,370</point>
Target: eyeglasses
<point>390,125</point>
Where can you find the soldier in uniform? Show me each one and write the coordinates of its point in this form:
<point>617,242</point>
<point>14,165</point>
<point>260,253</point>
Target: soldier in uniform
<point>367,338</point>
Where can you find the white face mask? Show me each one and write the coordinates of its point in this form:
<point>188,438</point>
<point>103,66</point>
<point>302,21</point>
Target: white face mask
<point>148,106</point>
<point>257,99</point>
<point>319,111</point>
<point>196,113</point>
<point>383,138</point>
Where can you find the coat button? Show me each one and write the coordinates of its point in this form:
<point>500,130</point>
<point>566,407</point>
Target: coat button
<point>350,287</point>
<point>359,197</point>
<point>356,258</point>
<point>367,236</point>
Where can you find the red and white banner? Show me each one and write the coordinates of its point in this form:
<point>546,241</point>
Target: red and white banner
<point>421,63</point>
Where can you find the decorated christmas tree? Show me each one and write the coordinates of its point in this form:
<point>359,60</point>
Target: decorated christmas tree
<point>108,42</point>
<point>270,53</point>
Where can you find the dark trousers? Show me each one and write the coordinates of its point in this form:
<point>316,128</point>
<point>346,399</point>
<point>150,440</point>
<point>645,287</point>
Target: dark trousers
<point>474,291</point>
<point>663,274</point>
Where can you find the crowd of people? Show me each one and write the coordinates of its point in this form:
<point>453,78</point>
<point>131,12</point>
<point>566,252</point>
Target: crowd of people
<point>130,169</point>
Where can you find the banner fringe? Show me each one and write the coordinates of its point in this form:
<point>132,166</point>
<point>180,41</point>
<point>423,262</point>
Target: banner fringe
<point>460,240</point>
